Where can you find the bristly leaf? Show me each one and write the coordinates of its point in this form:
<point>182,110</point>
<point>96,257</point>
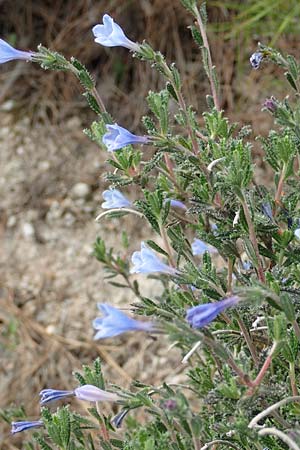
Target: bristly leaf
<point>189,5</point>
<point>83,75</point>
<point>196,35</point>
<point>171,91</point>
<point>205,62</point>
<point>42,443</point>
<point>93,104</point>
<point>156,247</point>
<point>291,80</point>
<point>203,13</point>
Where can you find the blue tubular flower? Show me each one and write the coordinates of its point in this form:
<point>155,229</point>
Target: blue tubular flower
<point>176,203</point>
<point>114,199</point>
<point>267,210</point>
<point>146,261</point>
<point>118,419</point>
<point>17,427</point>
<point>91,393</point>
<point>199,247</point>
<point>51,395</point>
<point>256,59</point>
<point>111,34</point>
<point>86,392</point>
<point>201,315</point>
<point>246,265</point>
<point>8,53</point>
<point>118,137</point>
<point>114,322</point>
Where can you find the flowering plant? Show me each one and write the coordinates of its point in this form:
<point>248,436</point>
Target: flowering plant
<point>236,323</point>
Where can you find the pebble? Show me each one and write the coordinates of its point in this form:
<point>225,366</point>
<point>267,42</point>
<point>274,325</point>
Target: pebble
<point>44,166</point>
<point>8,105</point>
<point>80,190</point>
<point>28,230</point>
<point>11,221</point>
<point>69,219</point>
<point>51,329</point>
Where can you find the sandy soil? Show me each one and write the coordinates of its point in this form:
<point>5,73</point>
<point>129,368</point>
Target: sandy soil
<point>50,282</point>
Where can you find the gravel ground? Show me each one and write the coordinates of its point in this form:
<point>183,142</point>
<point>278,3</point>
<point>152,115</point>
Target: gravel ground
<point>50,283</point>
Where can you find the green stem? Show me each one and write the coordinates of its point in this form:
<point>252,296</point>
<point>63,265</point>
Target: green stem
<point>293,379</point>
<point>279,189</point>
<point>248,340</point>
<point>167,245</point>
<point>210,65</point>
<point>253,239</point>
<point>99,99</point>
<point>296,329</point>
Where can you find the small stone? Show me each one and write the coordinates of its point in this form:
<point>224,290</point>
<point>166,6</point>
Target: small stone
<point>73,123</point>
<point>50,329</point>
<point>28,230</point>
<point>8,105</point>
<point>4,132</point>
<point>11,221</point>
<point>69,219</point>
<point>55,212</point>
<point>44,166</point>
<point>80,190</point>
<point>32,215</point>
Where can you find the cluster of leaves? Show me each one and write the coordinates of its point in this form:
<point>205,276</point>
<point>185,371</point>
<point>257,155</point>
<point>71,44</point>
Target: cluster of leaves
<point>247,359</point>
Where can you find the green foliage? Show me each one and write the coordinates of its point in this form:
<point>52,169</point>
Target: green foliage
<point>272,17</point>
<point>91,375</point>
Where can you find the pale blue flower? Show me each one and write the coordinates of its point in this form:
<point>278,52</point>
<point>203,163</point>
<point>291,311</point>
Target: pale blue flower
<point>86,392</point>
<point>201,315</point>
<point>256,59</point>
<point>91,393</point>
<point>146,261</point>
<point>118,137</point>
<point>111,34</point>
<point>115,322</point>
<point>199,247</point>
<point>175,203</point>
<point>8,53</point>
<point>114,199</point>
<point>297,233</point>
<point>118,419</point>
<point>267,210</point>
<point>17,427</point>
<point>51,395</point>
<point>246,265</point>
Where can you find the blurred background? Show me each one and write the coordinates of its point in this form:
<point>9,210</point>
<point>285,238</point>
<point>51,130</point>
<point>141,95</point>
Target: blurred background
<point>51,175</point>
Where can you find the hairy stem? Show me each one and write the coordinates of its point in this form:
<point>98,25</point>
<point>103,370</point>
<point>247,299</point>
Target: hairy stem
<point>253,239</point>
<point>284,437</point>
<point>248,340</point>
<point>167,245</point>
<point>265,366</point>
<point>293,379</point>
<point>210,65</point>
<point>296,329</point>
<point>99,99</point>
<point>270,409</point>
